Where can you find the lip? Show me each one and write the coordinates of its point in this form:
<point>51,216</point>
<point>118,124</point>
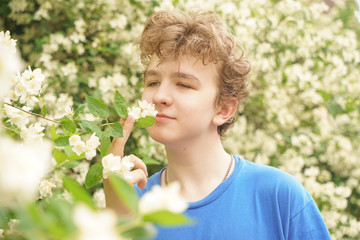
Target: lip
<point>163,117</point>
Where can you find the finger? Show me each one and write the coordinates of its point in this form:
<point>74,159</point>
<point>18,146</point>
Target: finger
<point>128,126</point>
<point>138,163</point>
<point>137,177</point>
<point>118,144</point>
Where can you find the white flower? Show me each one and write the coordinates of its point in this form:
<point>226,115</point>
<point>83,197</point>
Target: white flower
<point>93,142</point>
<point>79,148</point>
<point>74,139</point>
<point>163,198</point>
<point>144,109</point>
<point>135,112</point>
<point>1,233</point>
<point>29,75</point>
<point>90,154</point>
<point>111,164</point>
<point>149,108</point>
<point>94,225</point>
<point>20,89</point>
<point>17,117</point>
<point>22,168</point>
<point>33,133</point>
<point>33,87</point>
<point>69,110</point>
<point>45,188</point>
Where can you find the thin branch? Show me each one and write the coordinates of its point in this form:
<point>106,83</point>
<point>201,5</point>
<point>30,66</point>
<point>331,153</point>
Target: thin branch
<point>35,114</point>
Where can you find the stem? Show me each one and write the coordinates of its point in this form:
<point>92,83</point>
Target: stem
<point>129,225</point>
<point>57,166</point>
<point>60,164</point>
<point>31,113</point>
<point>106,124</point>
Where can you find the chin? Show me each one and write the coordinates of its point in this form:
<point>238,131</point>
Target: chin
<point>160,136</point>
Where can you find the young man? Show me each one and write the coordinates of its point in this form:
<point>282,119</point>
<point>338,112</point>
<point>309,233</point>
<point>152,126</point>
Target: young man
<point>196,76</point>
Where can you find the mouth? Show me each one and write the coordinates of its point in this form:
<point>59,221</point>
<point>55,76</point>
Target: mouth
<point>163,117</point>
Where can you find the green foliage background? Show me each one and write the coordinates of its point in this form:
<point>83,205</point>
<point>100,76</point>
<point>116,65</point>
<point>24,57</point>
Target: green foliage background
<point>303,115</point>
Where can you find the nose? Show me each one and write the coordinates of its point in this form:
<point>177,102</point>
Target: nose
<point>162,95</point>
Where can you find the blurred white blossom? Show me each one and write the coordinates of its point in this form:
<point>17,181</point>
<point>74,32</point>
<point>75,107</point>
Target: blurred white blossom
<point>13,224</point>
<point>94,225</point>
<point>357,12</point>
<point>81,170</point>
<point>163,198</point>
<point>99,198</point>
<point>21,169</point>
<point>10,62</point>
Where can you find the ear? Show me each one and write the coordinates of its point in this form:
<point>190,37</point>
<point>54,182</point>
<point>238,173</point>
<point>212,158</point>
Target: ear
<point>225,112</point>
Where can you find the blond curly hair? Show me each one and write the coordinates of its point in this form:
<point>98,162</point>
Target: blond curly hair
<point>172,33</point>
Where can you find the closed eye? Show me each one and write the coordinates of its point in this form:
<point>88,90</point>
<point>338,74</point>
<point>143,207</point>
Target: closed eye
<point>183,85</point>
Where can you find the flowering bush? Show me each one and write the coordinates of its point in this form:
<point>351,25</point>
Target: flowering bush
<point>302,115</point>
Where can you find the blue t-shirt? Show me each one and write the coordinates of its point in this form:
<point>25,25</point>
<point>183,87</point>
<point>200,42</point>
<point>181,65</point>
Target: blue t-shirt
<point>254,202</point>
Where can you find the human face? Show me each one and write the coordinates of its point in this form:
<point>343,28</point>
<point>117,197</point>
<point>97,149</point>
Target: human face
<point>184,93</point>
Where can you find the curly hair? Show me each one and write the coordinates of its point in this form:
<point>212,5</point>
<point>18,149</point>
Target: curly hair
<point>171,33</point>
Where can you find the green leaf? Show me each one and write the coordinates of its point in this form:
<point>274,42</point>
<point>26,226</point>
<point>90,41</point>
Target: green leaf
<point>97,107</point>
<point>44,111</point>
<point>120,105</point>
<point>334,109</point>
<point>59,155</point>
<point>62,141</point>
<point>62,209</point>
<point>94,175</point>
<point>166,218</point>
<point>78,192</point>
<point>90,127</point>
<point>105,144</point>
<point>70,164</point>
<point>151,161</point>
<point>125,192</point>
<point>79,110</point>
<point>68,126</point>
<point>145,122</point>
<point>54,135</point>
<point>326,96</point>
<point>142,231</point>
<point>116,130</point>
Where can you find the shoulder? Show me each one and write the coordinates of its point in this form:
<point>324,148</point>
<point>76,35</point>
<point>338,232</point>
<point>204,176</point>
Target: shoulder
<point>270,177</point>
<point>275,185</point>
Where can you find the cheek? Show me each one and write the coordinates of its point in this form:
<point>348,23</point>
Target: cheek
<point>145,96</point>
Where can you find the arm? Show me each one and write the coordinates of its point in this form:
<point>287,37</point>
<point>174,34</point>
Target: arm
<point>138,175</point>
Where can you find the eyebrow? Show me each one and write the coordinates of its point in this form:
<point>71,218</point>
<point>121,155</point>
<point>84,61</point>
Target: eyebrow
<point>176,74</point>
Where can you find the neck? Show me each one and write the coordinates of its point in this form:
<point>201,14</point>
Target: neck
<point>199,167</point>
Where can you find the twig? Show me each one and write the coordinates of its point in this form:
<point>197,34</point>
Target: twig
<point>35,114</point>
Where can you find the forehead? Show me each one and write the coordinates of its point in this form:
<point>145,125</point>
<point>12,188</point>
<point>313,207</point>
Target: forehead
<point>184,65</point>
